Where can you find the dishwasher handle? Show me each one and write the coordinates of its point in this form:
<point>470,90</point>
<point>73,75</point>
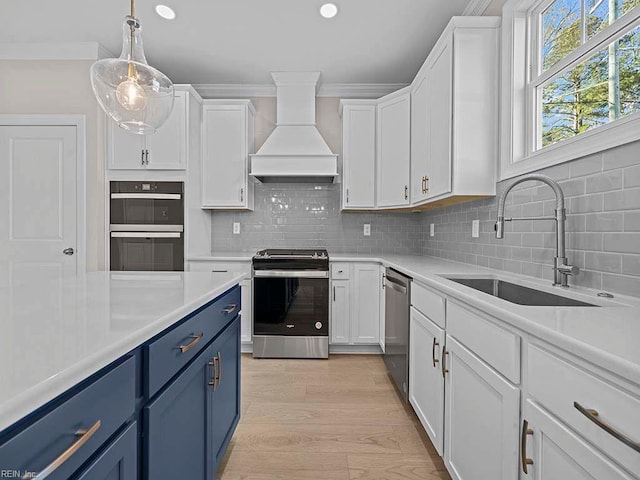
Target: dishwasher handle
<point>395,285</point>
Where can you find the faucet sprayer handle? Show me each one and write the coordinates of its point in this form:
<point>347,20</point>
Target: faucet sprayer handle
<point>568,269</point>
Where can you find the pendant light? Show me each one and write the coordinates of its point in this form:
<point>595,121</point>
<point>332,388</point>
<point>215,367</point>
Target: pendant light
<point>138,97</point>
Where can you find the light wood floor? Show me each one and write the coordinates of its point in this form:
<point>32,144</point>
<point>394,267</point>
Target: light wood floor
<point>339,419</point>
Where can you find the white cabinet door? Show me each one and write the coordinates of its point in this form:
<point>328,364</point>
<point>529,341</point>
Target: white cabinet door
<point>125,151</point>
<point>420,138</point>
<point>558,453</point>
<point>482,416</point>
<point>163,150</point>
<point>225,156</point>
<point>167,147</point>
<point>439,120</point>
<point>340,312</point>
<point>393,149</point>
<point>358,156</point>
<point>426,384</point>
<point>365,316</point>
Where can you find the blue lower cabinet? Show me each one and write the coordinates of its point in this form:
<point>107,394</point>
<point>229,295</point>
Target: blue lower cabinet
<point>226,394</point>
<point>119,460</point>
<point>178,425</point>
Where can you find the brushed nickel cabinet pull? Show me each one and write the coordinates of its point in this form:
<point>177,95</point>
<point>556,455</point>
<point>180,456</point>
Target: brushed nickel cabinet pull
<point>334,293</point>
<point>242,194</point>
<point>444,362</point>
<point>219,373</point>
<point>142,157</point>
<point>426,184</point>
<point>84,435</point>
<point>347,195</point>
<point>230,309</point>
<point>147,153</point>
<point>433,352</point>
<point>406,192</point>
<point>593,415</point>
<point>523,447</point>
<point>212,364</point>
<point>192,343</point>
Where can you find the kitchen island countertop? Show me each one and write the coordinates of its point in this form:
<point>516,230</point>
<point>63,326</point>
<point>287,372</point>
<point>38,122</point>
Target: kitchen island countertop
<point>56,333</point>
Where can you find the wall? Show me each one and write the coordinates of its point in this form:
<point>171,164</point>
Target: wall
<point>309,215</point>
<point>603,207</point>
<point>63,87</point>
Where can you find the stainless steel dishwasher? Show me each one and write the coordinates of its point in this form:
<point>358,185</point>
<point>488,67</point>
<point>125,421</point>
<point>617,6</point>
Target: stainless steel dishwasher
<point>396,336</point>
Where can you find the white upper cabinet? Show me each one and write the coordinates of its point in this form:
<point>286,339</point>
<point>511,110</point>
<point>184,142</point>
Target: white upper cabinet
<point>454,103</point>
<point>393,149</point>
<point>164,150</point>
<point>358,154</point>
<point>227,144</point>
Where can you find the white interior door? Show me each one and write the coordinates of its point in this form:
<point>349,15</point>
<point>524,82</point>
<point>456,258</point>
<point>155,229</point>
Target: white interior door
<point>37,202</point>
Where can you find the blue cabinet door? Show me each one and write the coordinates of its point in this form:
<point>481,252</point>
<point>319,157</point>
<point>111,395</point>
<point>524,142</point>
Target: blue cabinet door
<point>226,394</point>
<point>119,460</point>
<point>177,430</point>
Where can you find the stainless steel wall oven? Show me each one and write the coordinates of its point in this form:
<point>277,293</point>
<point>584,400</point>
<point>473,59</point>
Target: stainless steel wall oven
<point>146,226</point>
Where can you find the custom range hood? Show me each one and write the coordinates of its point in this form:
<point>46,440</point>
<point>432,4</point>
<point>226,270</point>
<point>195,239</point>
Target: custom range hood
<point>295,152</point>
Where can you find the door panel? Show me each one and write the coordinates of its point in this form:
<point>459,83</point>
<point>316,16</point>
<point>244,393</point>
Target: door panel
<point>366,312</point>
<point>481,440</point>
<point>118,462</point>
<point>37,199</point>
<point>167,146</point>
<point>178,425</point>
<point>557,452</point>
<point>340,312</point>
<point>419,135</point>
<point>124,149</point>
<point>440,104</point>
<point>426,384</point>
<point>226,394</point>
<point>359,140</point>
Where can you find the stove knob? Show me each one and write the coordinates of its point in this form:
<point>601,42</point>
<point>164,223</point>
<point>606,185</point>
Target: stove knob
<point>318,325</point>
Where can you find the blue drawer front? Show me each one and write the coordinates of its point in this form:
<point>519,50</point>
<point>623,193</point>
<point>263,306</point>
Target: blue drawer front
<point>118,461</point>
<point>109,400</point>
<point>164,357</point>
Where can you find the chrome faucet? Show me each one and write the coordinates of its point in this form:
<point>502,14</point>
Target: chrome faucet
<point>561,267</point>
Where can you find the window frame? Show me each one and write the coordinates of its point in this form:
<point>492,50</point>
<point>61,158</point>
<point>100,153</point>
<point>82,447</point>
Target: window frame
<point>521,149</point>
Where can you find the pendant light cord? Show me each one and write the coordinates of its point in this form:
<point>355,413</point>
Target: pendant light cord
<point>131,71</point>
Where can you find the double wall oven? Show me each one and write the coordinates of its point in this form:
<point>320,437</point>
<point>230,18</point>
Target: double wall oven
<point>146,226</point>
<point>291,304</point>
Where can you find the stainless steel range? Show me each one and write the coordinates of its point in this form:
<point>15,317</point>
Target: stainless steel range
<point>291,304</point>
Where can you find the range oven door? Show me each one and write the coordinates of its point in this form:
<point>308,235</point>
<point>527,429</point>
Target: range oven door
<point>147,251</point>
<point>289,303</point>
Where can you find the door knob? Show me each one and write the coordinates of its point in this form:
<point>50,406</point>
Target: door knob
<point>68,251</point>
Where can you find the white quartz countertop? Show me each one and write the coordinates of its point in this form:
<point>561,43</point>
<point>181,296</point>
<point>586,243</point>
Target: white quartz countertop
<point>606,335</point>
<point>56,333</point>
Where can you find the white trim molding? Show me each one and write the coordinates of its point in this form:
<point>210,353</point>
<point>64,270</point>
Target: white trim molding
<point>518,154</point>
<point>54,51</point>
<point>476,8</point>
<point>78,121</point>
<point>342,90</point>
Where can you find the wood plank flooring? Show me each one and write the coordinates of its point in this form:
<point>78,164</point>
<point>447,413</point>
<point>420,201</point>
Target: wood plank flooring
<point>339,419</point>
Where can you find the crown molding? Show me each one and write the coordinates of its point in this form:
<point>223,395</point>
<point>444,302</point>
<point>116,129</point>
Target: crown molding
<point>476,7</point>
<point>346,90</point>
<point>54,51</point>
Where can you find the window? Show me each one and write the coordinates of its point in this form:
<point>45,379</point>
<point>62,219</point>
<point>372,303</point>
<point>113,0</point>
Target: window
<point>580,87</point>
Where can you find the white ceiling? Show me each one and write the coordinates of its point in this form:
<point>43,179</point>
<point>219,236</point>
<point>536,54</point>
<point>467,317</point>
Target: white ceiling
<point>241,41</point>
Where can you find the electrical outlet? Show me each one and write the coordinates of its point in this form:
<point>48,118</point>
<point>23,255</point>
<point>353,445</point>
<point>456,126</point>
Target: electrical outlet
<point>475,229</point>
<point>367,229</point>
<point>236,228</point>
<point>432,230</point>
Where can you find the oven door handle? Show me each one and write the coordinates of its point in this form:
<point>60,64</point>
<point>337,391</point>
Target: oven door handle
<point>291,274</point>
<point>146,196</point>
<point>146,234</point>
<point>123,227</point>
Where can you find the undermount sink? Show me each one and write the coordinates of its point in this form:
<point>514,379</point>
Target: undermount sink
<point>518,294</point>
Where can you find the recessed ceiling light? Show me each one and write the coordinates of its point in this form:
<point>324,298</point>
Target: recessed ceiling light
<point>165,12</point>
<point>328,10</point>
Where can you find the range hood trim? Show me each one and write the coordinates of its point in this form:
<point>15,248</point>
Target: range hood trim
<point>295,151</point>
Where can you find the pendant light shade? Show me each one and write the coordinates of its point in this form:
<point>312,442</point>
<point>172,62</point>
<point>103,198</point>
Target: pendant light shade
<point>138,97</point>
